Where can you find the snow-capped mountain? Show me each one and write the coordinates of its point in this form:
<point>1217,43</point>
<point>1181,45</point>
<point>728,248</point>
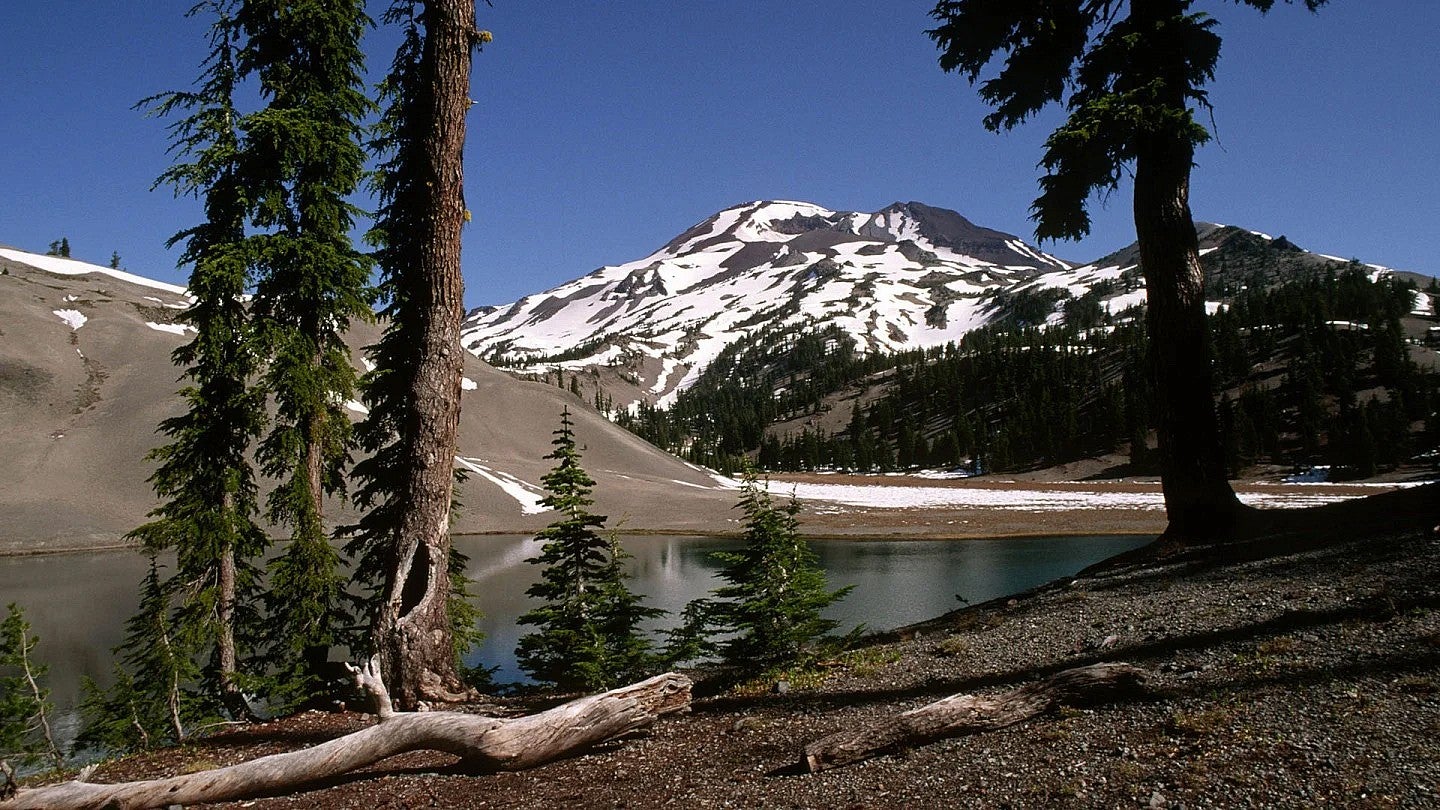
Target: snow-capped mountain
<point>906,276</point>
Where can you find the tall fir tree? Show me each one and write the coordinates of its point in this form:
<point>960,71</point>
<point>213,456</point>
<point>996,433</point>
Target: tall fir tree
<point>588,635</point>
<point>204,472</point>
<point>1131,75</point>
<point>406,486</point>
<point>306,160</point>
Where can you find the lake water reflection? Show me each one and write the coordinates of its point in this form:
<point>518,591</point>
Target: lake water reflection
<point>78,603</point>
<point>897,582</point>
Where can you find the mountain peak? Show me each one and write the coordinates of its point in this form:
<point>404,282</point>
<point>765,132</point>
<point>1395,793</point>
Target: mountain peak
<point>909,275</point>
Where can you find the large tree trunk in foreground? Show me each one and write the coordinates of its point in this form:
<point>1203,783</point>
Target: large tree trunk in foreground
<point>959,715</point>
<point>487,742</point>
<point>412,629</point>
<point>1199,502</point>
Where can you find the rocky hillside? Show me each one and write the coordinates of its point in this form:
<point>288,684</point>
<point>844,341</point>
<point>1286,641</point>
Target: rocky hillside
<point>85,376</point>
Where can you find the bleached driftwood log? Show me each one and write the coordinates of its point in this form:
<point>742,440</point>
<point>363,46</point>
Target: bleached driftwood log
<point>488,742</point>
<point>959,715</point>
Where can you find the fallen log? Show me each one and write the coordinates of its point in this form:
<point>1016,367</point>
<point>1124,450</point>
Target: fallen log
<point>959,715</point>
<point>486,742</point>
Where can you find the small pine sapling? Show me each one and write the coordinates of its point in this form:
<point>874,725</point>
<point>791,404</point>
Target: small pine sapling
<point>588,635</point>
<point>26,736</point>
<point>770,612</point>
<point>153,700</point>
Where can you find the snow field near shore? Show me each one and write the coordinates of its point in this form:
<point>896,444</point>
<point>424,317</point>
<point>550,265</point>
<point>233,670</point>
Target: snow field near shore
<point>1067,499</point>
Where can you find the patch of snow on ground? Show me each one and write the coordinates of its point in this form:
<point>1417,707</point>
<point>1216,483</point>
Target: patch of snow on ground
<point>687,484</point>
<point>357,407</point>
<point>73,317</point>
<point>670,364</point>
<point>172,328</point>
<point>71,267</point>
<point>1027,500</point>
<point>467,384</point>
<point>1124,301</point>
<point>528,495</point>
<point>1423,304</point>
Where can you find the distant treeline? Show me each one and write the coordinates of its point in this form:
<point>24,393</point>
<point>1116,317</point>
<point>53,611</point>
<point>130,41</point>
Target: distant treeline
<point>1311,370</point>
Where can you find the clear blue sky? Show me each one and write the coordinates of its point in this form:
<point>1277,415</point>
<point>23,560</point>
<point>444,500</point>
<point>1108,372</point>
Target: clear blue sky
<point>603,129</point>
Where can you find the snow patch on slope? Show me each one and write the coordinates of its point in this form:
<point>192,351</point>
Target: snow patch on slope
<point>528,495</point>
<point>73,267</point>
<point>172,328</point>
<point>73,318</point>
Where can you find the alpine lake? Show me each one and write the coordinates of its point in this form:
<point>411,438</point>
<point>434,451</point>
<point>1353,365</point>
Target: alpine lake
<point>78,603</point>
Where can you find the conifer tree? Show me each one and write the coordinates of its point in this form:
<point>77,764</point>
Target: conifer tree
<point>306,161</point>
<point>204,473</point>
<point>771,607</point>
<point>1131,75</point>
<point>588,634</point>
<point>153,700</point>
<point>413,394</point>
<point>26,735</point>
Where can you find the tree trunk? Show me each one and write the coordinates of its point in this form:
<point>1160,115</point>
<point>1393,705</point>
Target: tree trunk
<point>315,457</point>
<point>487,742</point>
<point>959,715</point>
<point>225,637</point>
<point>412,630</point>
<point>1199,502</point>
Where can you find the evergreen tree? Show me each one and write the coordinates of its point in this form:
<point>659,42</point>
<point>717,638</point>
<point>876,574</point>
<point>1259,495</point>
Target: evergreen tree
<point>25,708</point>
<point>153,700</point>
<point>204,473</point>
<point>588,634</point>
<point>114,260</point>
<point>771,607</point>
<point>1131,72</point>
<point>306,161</point>
<point>406,486</point>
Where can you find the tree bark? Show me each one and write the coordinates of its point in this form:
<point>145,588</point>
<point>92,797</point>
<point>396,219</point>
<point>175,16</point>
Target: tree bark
<point>486,742</point>
<point>412,629</point>
<point>959,715</point>
<point>225,642</point>
<point>1199,501</point>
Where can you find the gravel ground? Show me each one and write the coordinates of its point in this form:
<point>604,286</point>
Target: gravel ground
<point>1294,679</point>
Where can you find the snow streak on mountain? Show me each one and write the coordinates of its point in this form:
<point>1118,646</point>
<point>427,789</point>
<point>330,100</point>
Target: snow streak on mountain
<point>906,276</point>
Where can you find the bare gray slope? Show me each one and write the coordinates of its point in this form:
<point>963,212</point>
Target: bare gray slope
<point>79,408</point>
<point>506,426</point>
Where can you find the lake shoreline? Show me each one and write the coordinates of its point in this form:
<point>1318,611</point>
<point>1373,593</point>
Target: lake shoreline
<point>1082,508</point>
<point>1300,670</point>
